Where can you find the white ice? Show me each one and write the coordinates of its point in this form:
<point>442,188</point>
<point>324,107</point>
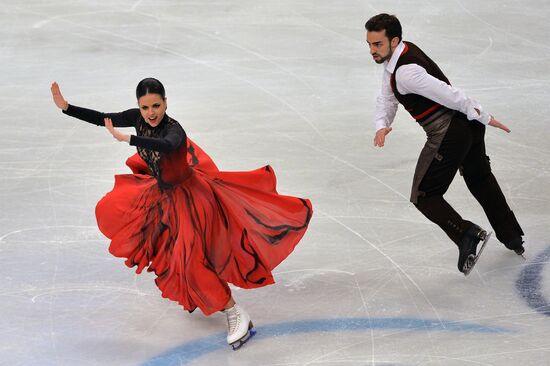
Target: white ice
<point>289,83</point>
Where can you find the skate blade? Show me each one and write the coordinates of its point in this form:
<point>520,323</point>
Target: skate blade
<point>472,260</point>
<point>521,254</point>
<point>238,344</point>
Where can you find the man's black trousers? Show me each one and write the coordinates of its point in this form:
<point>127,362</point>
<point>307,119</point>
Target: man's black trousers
<point>463,147</point>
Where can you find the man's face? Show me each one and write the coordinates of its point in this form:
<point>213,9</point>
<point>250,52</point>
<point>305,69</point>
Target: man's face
<point>380,46</point>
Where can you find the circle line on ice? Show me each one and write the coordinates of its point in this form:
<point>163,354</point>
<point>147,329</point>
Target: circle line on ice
<point>190,351</point>
<point>529,283</point>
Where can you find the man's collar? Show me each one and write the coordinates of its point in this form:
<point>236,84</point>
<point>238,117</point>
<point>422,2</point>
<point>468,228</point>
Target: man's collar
<point>390,65</point>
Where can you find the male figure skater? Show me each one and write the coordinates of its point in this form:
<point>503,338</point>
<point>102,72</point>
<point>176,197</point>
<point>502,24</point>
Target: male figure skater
<point>455,129</point>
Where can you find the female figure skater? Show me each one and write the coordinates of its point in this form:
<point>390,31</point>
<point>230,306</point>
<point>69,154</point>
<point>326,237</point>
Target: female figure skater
<point>197,228</point>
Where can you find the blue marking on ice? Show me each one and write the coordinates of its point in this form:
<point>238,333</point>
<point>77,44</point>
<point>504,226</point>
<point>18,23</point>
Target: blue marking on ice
<point>529,283</point>
<point>190,351</point>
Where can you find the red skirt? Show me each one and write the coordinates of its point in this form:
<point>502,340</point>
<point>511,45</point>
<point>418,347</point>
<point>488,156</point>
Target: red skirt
<point>210,229</point>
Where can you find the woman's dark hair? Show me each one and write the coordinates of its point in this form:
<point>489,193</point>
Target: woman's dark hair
<point>150,86</point>
<point>386,22</point>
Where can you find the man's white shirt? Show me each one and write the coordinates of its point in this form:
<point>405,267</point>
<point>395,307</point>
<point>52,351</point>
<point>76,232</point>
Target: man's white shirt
<point>414,79</point>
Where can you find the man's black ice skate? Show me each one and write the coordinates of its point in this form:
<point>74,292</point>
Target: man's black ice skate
<point>516,245</point>
<point>467,246</point>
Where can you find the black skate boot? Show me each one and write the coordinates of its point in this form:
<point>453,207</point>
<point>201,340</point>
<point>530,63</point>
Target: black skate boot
<point>467,246</point>
<point>516,245</point>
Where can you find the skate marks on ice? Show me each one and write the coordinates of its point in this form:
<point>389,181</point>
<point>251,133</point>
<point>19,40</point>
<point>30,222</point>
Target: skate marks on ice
<point>191,351</point>
<point>529,283</point>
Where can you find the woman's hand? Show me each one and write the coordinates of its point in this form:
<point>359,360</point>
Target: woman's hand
<point>493,122</point>
<point>116,134</point>
<point>58,97</point>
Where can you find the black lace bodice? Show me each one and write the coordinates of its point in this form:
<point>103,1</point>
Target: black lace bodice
<point>152,157</point>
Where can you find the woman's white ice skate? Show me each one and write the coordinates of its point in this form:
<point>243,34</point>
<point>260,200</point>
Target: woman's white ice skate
<point>239,327</point>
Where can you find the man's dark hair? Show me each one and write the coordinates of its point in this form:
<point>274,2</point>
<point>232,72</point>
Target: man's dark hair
<point>386,22</point>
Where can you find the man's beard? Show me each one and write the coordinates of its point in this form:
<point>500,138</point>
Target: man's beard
<point>386,58</point>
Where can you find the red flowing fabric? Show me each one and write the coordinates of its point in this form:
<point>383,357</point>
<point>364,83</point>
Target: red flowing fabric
<point>200,228</point>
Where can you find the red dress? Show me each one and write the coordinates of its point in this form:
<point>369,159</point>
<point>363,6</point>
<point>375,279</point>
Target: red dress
<point>198,228</point>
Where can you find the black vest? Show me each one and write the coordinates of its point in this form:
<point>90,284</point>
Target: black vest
<point>418,106</point>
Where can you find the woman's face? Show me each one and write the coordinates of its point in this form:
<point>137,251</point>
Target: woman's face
<point>152,108</point>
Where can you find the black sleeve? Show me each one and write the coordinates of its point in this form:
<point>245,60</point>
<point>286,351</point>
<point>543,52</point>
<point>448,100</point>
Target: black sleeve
<point>127,118</point>
<point>171,139</point>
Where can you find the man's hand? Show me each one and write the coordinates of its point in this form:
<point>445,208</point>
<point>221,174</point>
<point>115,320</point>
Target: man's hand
<point>493,122</point>
<point>116,134</point>
<point>380,136</point>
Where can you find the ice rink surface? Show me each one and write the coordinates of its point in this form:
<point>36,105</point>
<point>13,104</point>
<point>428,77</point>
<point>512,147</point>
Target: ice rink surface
<point>292,84</point>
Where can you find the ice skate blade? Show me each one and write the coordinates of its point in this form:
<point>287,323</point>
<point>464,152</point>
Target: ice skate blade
<point>472,260</point>
<point>520,252</point>
<point>243,340</point>
<point>249,334</point>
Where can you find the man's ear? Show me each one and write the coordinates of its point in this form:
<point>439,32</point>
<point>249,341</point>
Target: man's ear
<point>394,42</point>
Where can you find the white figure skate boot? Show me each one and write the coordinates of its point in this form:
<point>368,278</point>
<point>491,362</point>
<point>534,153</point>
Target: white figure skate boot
<point>239,326</point>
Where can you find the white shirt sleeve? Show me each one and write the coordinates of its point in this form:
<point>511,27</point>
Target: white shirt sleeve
<point>414,79</point>
<point>386,105</point>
